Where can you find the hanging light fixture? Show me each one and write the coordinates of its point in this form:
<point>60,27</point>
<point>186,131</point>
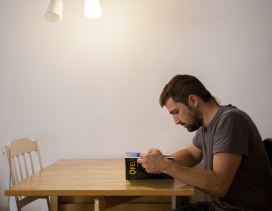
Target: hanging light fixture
<point>54,11</point>
<point>92,9</point>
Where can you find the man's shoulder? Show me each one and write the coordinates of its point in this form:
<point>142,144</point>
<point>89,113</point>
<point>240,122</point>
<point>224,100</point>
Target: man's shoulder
<point>231,112</point>
<point>227,116</point>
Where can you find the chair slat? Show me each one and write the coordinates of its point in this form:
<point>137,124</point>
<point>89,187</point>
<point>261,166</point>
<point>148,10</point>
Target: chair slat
<point>19,166</point>
<point>26,170</point>
<point>31,163</point>
<point>14,170</point>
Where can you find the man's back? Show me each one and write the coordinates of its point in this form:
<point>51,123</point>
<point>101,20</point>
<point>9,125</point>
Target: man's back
<point>232,131</point>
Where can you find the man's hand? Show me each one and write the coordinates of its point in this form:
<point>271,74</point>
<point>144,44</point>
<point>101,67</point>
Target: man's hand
<point>153,161</point>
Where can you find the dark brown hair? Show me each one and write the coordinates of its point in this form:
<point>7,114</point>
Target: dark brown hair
<point>181,86</point>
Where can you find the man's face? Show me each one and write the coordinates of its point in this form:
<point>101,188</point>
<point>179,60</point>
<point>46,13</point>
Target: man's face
<point>183,115</point>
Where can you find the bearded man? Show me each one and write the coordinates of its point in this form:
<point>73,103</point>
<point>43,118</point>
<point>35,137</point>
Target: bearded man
<point>237,173</point>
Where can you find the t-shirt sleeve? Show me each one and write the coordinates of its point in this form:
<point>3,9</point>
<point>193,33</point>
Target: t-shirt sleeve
<point>197,141</point>
<point>231,134</point>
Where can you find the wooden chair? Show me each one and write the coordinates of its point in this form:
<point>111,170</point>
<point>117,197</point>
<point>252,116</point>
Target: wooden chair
<point>22,154</point>
<point>268,146</point>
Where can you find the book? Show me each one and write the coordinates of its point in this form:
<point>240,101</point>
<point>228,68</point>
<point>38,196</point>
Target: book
<point>134,170</point>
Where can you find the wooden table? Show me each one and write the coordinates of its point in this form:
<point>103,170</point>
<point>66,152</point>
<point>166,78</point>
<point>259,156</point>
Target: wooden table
<point>102,178</point>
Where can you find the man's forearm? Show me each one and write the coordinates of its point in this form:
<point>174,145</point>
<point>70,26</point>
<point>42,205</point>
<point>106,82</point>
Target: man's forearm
<point>207,181</point>
<point>185,158</point>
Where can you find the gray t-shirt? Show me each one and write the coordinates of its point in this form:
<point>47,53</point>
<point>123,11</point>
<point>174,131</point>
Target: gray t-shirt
<point>232,130</point>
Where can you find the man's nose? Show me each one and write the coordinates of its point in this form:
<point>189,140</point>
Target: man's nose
<point>176,120</point>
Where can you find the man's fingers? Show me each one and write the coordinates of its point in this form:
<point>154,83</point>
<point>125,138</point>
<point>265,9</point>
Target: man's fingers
<point>142,155</point>
<point>139,160</point>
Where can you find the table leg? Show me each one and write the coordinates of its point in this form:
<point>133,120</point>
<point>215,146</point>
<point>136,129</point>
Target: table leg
<point>54,204</point>
<point>100,204</point>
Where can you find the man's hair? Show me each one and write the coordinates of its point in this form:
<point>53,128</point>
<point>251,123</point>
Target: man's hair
<point>181,86</point>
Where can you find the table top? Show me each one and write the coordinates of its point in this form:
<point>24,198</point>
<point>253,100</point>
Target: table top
<point>90,177</point>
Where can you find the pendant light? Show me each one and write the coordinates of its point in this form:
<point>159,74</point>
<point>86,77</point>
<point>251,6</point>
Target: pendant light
<point>92,9</point>
<point>54,11</point>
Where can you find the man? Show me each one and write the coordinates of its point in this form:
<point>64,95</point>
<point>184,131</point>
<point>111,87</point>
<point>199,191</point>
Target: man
<point>237,172</point>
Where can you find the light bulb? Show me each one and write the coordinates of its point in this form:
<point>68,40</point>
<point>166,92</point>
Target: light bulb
<point>92,9</point>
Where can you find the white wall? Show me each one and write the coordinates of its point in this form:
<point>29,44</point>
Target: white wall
<point>90,88</point>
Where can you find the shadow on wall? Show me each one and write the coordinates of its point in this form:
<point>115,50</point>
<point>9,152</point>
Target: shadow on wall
<point>199,195</point>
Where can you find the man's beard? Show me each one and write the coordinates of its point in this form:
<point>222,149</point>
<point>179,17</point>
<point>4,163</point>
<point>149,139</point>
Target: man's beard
<point>196,121</point>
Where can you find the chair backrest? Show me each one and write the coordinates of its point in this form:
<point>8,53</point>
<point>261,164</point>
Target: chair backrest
<point>268,146</point>
<point>22,164</point>
<point>24,160</point>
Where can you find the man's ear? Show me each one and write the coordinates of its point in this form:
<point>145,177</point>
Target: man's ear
<point>193,101</point>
